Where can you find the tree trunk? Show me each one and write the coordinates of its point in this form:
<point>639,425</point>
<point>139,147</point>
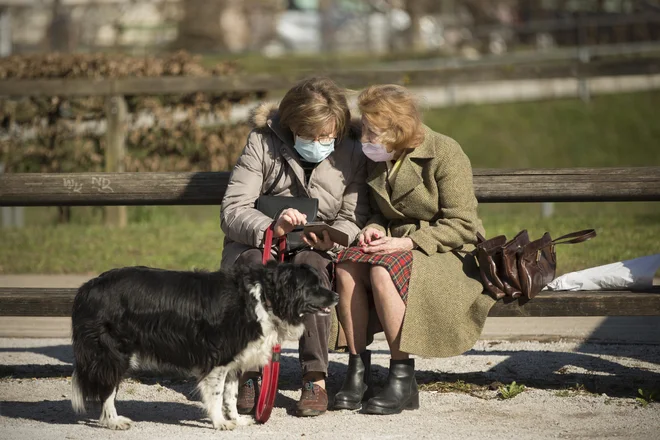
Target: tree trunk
<point>200,29</point>
<point>60,33</point>
<point>326,9</point>
<point>415,9</point>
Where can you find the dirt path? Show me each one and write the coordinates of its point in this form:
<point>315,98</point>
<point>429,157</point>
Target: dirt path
<point>574,391</point>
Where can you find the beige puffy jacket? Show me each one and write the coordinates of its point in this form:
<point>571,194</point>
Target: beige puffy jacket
<point>338,182</point>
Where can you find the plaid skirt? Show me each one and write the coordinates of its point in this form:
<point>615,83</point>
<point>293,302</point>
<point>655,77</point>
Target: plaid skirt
<point>398,264</point>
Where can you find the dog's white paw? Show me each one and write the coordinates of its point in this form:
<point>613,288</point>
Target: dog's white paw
<point>225,425</point>
<point>118,423</point>
<point>244,421</point>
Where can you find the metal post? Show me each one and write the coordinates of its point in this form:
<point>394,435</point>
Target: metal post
<point>584,57</point>
<point>547,209</point>
<point>5,32</point>
<point>583,81</point>
<point>451,94</point>
<point>12,216</point>
<point>6,210</point>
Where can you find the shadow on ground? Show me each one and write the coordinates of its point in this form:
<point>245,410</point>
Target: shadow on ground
<point>59,412</point>
<point>537,369</point>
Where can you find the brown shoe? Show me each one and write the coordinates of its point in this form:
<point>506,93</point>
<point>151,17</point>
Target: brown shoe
<point>247,396</point>
<point>313,401</point>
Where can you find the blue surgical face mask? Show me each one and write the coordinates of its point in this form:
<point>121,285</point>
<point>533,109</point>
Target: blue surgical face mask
<point>313,151</point>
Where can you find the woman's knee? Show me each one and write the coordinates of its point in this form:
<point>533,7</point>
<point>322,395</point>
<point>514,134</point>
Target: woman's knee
<point>379,277</point>
<point>250,256</point>
<point>312,258</point>
<point>348,270</point>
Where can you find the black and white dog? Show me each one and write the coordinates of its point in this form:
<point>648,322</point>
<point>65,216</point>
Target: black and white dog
<point>209,324</point>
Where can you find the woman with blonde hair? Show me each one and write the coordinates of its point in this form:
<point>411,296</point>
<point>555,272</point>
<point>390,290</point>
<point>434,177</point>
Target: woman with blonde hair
<point>427,297</point>
<point>302,148</point>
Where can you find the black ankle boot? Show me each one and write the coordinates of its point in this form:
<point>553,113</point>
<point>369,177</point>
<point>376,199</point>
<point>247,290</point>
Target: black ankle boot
<point>400,392</point>
<point>357,383</point>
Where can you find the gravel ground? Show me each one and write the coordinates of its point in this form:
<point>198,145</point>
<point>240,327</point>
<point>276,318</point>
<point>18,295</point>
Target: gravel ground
<point>573,390</point>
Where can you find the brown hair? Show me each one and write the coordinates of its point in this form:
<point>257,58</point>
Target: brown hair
<point>314,104</point>
<point>394,110</point>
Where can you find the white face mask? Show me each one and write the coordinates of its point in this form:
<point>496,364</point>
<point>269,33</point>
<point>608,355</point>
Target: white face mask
<point>377,152</point>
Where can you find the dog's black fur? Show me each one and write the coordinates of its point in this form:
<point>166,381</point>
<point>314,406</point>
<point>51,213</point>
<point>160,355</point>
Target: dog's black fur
<point>211,324</point>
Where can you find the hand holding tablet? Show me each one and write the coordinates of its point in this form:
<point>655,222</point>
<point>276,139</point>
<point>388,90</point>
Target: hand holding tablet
<point>335,234</point>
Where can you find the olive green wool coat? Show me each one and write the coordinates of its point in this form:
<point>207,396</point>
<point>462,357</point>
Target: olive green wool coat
<point>432,201</point>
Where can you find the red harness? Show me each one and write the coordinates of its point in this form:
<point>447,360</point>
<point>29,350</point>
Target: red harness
<point>271,371</point>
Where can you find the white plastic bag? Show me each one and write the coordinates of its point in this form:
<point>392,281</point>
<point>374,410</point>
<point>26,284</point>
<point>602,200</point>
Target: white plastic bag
<point>635,274</point>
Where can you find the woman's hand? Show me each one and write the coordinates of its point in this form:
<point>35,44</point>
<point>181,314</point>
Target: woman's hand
<point>321,244</point>
<point>369,235</point>
<point>287,221</point>
<point>387,245</point>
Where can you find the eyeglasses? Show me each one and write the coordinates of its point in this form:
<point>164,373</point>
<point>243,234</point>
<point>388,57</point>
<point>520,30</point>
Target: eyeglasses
<point>326,141</point>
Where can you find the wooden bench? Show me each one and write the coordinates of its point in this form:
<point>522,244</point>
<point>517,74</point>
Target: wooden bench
<point>207,188</point>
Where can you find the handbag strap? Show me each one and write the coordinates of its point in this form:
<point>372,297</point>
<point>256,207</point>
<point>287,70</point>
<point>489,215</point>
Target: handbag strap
<point>280,173</point>
<point>480,238</point>
<point>575,237</point>
<point>268,245</point>
<point>277,179</point>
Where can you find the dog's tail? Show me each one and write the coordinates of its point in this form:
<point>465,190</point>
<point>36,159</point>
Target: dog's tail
<point>77,395</point>
<point>97,373</point>
<point>99,363</point>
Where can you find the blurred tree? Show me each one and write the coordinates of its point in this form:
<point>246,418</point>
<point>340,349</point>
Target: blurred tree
<point>262,16</point>
<point>60,35</point>
<point>326,13</point>
<point>415,10</point>
<point>200,30</point>
<point>227,25</point>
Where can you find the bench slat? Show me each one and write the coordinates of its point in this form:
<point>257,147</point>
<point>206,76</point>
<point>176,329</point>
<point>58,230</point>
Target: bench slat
<point>208,188</point>
<point>58,302</point>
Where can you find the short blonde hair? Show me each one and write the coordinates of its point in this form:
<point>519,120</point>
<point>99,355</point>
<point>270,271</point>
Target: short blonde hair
<point>394,110</point>
<point>314,104</point>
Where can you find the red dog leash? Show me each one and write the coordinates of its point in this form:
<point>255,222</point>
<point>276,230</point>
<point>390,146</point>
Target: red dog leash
<point>271,371</point>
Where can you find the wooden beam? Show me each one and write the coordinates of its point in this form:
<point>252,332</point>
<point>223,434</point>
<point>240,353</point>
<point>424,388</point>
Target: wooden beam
<point>58,302</point>
<point>583,303</point>
<point>208,188</point>
<point>354,78</point>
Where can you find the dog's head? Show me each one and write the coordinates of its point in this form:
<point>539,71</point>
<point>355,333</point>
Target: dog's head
<point>296,291</point>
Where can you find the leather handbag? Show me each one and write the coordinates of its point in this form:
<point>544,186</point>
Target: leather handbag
<point>272,206</point>
<point>537,260</point>
<point>509,268</point>
<point>489,257</point>
<point>521,267</point>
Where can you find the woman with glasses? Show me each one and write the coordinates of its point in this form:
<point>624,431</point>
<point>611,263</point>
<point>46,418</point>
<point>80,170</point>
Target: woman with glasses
<point>302,148</point>
<point>405,276</point>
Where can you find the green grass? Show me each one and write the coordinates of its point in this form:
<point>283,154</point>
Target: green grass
<point>183,243</point>
<point>615,130</point>
<point>610,131</point>
<point>647,396</point>
<point>313,64</point>
<point>91,249</point>
<point>511,390</point>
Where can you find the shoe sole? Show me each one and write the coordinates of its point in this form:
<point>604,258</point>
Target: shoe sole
<point>309,413</point>
<point>346,405</point>
<point>412,404</point>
